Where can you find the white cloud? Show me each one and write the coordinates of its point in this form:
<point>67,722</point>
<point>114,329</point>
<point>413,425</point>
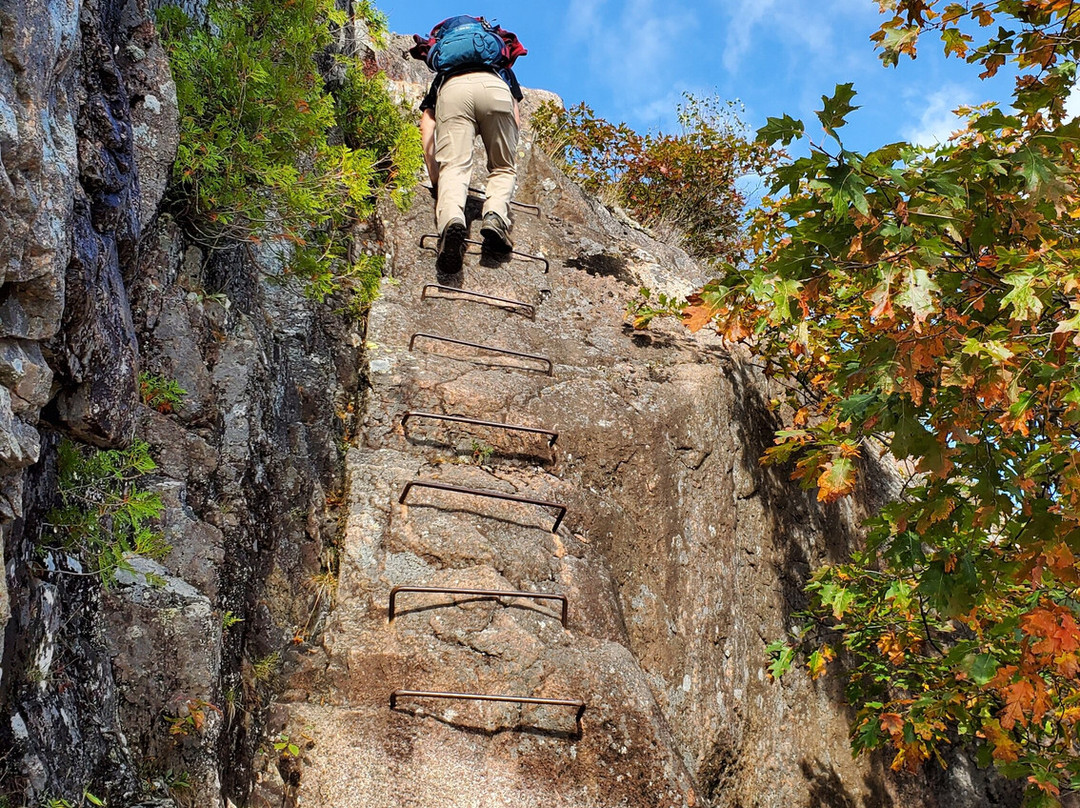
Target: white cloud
<point>638,39</point>
<point>631,47</point>
<point>583,19</point>
<point>938,120</point>
<point>743,19</point>
<point>801,26</point>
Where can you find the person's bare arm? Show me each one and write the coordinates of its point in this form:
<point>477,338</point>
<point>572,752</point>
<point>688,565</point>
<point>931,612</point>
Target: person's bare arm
<point>427,138</point>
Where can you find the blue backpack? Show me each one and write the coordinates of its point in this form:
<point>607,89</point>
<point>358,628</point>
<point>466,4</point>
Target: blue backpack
<point>466,41</point>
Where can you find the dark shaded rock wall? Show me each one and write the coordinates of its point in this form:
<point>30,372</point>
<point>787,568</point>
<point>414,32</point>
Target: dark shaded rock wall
<point>96,285</point>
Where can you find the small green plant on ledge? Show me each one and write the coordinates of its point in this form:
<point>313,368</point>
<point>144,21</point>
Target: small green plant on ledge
<point>481,452</point>
<point>163,395</point>
<point>269,153</point>
<point>285,747</point>
<point>104,515</point>
<point>88,799</point>
<point>266,668</point>
<point>191,718</point>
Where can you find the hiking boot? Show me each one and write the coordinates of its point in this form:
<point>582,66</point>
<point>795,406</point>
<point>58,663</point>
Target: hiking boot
<point>496,233</point>
<point>451,249</point>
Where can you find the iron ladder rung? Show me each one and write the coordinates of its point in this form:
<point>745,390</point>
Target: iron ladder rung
<point>482,492</point>
<point>531,309</point>
<point>494,349</point>
<point>480,593</point>
<point>528,256</point>
<point>578,705</point>
<point>462,419</point>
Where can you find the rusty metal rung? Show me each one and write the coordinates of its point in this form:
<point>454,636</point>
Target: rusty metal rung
<point>528,256</point>
<point>519,354</point>
<point>455,290</point>
<point>461,419</point>
<point>513,202</point>
<point>482,593</point>
<point>426,694</point>
<point>481,492</point>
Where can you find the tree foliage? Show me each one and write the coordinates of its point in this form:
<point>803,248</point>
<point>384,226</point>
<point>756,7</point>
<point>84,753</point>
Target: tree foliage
<point>268,152</point>
<point>928,303</point>
<point>684,183</point>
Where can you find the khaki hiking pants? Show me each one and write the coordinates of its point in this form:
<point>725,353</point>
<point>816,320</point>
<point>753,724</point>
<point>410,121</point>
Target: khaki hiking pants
<point>469,104</point>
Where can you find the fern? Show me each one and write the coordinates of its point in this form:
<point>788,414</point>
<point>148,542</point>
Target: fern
<point>104,516</point>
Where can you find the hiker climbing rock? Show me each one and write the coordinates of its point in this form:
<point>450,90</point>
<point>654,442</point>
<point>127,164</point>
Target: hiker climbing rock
<point>474,92</point>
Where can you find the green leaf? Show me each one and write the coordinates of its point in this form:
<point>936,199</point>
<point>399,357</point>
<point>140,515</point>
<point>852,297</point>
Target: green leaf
<point>856,406</point>
<point>917,293</point>
<point>784,130</point>
<point>898,40</point>
<point>983,668</point>
<point>1022,298</point>
<point>848,188</point>
<point>782,656</point>
<point>1037,171</point>
<point>950,592</point>
<point>836,597</point>
<point>836,108</point>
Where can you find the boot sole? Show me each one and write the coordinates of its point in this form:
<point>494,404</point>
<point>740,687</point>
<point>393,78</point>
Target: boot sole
<point>494,240</point>
<point>452,255</point>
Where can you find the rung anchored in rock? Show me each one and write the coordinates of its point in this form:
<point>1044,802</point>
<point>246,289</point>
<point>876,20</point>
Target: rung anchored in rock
<point>513,202</point>
<point>550,365</point>
<point>579,706</point>
<point>526,256</point>
<point>480,492</point>
<point>478,593</point>
<point>461,419</point>
<point>529,308</point>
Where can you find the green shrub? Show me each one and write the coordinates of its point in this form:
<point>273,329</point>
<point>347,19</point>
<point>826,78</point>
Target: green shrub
<point>258,159</point>
<point>163,395</point>
<point>371,121</point>
<point>104,516</point>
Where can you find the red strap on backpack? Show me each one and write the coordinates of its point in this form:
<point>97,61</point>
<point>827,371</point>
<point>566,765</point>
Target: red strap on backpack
<point>514,47</point>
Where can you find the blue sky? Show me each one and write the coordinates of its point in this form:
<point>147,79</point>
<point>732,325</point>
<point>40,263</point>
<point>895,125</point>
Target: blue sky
<point>631,60</point>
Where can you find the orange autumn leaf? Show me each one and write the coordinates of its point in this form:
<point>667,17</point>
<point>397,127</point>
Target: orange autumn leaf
<point>1005,748</point>
<point>697,314</point>
<point>893,724</point>
<point>1062,561</point>
<point>1068,665</point>
<point>1025,700</point>
<point>909,757</point>
<point>1055,630</point>
<point>734,330</point>
<point>837,479</point>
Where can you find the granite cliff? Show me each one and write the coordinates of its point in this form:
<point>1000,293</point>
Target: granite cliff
<point>254,664</point>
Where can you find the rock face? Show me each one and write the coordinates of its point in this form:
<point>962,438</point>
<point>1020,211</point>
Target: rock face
<point>681,557</point>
